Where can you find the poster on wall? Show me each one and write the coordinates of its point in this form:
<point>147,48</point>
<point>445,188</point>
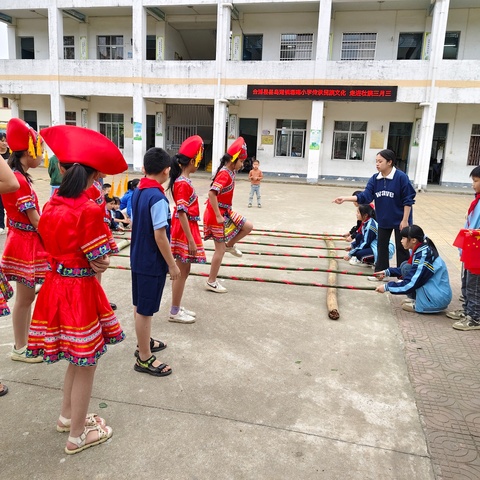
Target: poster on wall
<point>236,47</point>
<point>84,118</point>
<point>416,132</point>
<point>83,48</point>
<point>159,124</point>
<point>427,45</point>
<point>232,126</point>
<point>267,139</point>
<point>377,140</point>
<point>315,139</point>
<point>137,130</point>
<point>160,49</point>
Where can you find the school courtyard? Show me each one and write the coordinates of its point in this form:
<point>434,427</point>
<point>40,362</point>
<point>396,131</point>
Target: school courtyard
<point>264,384</point>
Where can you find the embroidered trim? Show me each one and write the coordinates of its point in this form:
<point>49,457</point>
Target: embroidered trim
<point>27,227</point>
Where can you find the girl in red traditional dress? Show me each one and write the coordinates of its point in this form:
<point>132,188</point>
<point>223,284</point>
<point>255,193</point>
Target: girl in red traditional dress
<point>73,319</point>
<point>24,260</point>
<point>185,239</point>
<point>220,222</point>
<point>8,183</point>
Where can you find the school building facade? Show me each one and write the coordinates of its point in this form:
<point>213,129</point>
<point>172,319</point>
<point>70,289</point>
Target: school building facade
<point>316,87</point>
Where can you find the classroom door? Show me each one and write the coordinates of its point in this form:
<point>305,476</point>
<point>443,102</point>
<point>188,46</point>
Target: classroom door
<point>399,138</point>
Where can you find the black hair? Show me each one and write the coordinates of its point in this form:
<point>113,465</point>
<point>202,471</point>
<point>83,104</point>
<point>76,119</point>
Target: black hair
<point>156,160</point>
<point>414,231</point>
<point>106,185</point>
<point>116,200</point>
<point>75,179</point>
<point>3,136</point>
<point>388,155</point>
<point>356,192</point>
<point>133,184</point>
<point>225,159</point>
<point>366,209</point>
<point>108,199</point>
<point>475,172</point>
<point>179,162</point>
<point>15,163</point>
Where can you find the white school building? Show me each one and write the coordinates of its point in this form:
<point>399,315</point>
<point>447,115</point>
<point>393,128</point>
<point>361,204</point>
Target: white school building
<point>316,87</point>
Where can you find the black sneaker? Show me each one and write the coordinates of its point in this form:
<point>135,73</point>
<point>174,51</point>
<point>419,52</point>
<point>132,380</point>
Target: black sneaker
<point>468,323</point>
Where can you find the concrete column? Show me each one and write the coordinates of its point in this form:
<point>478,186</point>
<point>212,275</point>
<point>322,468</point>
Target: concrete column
<point>315,138</point>
<point>139,130</point>
<point>315,146</point>
<point>139,22</point>
<point>220,103</point>
<point>12,41</point>
<point>55,46</point>
<point>439,28</point>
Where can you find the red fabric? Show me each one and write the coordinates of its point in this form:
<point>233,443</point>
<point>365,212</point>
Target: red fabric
<point>19,133</point>
<point>150,183</point>
<point>469,242</point>
<point>17,203</point>
<point>410,260</point>
<point>238,146</point>
<point>472,206</point>
<point>191,146</point>
<point>72,317</point>
<point>186,200</point>
<point>72,144</point>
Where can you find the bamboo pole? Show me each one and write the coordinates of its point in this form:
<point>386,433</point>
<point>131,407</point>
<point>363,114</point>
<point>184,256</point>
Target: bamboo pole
<point>332,302</point>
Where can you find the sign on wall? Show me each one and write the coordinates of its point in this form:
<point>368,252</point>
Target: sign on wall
<point>159,124</point>
<point>236,47</point>
<point>160,48</point>
<point>232,126</point>
<point>83,48</point>
<point>333,93</point>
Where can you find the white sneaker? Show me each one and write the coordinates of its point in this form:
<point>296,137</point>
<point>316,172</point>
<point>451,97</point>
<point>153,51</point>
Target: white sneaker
<point>188,312</point>
<point>20,355</point>
<point>376,279</point>
<point>407,300</point>
<point>354,261</point>
<point>181,317</point>
<point>3,231</point>
<point>234,251</point>
<point>216,287</point>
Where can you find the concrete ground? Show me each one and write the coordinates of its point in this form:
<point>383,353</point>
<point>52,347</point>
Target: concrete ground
<point>264,384</point>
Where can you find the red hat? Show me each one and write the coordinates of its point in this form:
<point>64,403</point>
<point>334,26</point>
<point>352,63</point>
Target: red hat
<point>192,147</point>
<point>73,144</point>
<point>238,149</point>
<point>21,136</point>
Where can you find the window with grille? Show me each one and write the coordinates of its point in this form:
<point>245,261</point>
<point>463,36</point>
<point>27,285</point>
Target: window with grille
<point>474,149</point>
<point>296,46</point>
<point>349,140</point>
<point>358,46</point>
<point>70,118</point>
<point>252,47</point>
<point>111,125</point>
<point>290,138</point>
<point>69,48</point>
<point>110,47</point>
<point>450,47</point>
<point>151,47</point>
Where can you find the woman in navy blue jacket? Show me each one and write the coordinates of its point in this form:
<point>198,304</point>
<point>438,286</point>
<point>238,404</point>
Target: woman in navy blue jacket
<point>394,196</point>
<point>424,276</point>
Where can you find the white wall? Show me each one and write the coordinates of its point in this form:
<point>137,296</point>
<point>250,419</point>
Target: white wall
<point>3,41</point>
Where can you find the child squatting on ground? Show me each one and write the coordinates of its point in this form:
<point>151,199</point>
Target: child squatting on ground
<point>220,222</point>
<point>150,257</point>
<point>468,240</point>
<point>255,175</point>
<point>424,276</point>
<point>186,241</point>
<point>72,319</point>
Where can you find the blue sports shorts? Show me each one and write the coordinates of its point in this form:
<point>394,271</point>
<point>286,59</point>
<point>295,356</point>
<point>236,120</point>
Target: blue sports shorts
<point>147,292</point>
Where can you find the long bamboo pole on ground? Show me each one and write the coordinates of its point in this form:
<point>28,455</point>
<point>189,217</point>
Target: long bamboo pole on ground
<point>332,301</point>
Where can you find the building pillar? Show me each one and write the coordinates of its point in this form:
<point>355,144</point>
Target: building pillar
<point>221,103</point>
<point>439,28</point>
<point>12,41</point>
<point>55,47</point>
<point>139,130</point>
<point>315,143</point>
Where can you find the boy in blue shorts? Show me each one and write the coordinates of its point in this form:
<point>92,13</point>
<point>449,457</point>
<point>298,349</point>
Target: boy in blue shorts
<point>150,257</point>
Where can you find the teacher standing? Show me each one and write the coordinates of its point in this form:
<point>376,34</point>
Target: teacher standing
<point>394,196</point>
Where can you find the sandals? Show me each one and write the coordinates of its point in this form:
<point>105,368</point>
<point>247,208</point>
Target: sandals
<point>153,348</point>
<point>146,366</point>
<point>81,442</point>
<point>4,390</point>
<point>91,420</point>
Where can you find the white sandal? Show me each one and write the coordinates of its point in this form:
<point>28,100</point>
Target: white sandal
<point>91,420</point>
<point>103,435</point>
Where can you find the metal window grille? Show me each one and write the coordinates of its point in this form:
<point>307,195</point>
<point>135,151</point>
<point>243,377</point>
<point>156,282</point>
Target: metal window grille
<point>474,148</point>
<point>359,46</point>
<point>70,118</point>
<point>296,46</point>
<point>110,47</point>
<point>290,138</point>
<point>349,140</point>
<point>69,48</point>
<point>112,126</point>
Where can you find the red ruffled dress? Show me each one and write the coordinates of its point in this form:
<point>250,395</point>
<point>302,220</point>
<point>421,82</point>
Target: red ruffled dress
<point>186,200</point>
<point>223,184</point>
<point>24,259</point>
<point>73,319</point>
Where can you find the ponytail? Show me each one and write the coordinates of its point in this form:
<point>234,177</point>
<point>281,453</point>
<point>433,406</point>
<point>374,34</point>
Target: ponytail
<point>226,158</point>
<point>414,231</point>
<point>179,162</point>
<point>366,209</point>
<point>15,163</point>
<point>75,179</point>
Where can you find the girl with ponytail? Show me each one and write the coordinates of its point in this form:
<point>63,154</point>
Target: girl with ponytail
<point>185,239</point>
<point>424,276</point>
<point>24,259</point>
